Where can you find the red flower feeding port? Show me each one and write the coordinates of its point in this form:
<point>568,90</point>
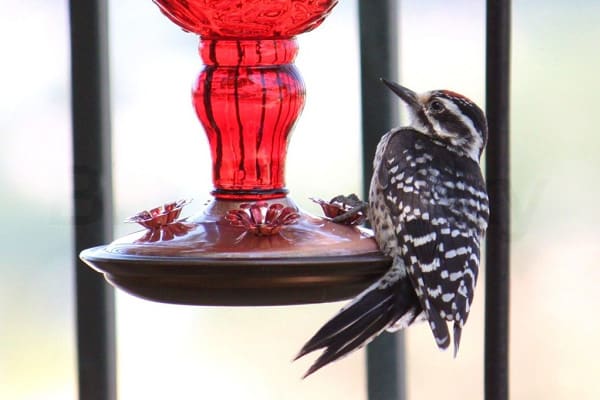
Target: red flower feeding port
<point>262,218</point>
<point>247,97</point>
<point>162,222</point>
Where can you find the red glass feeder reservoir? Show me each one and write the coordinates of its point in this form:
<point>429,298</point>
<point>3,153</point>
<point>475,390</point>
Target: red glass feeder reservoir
<point>251,245</point>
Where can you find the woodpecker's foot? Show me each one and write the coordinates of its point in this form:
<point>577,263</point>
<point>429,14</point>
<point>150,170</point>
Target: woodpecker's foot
<point>353,208</point>
<point>342,209</point>
<point>350,201</point>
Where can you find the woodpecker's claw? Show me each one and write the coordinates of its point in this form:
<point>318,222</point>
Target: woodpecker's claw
<point>347,200</point>
<point>351,214</point>
<point>352,205</point>
<point>344,209</point>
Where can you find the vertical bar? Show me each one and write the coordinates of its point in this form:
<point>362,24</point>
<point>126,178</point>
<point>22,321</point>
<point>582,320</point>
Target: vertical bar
<point>379,59</point>
<point>92,193</point>
<point>497,171</point>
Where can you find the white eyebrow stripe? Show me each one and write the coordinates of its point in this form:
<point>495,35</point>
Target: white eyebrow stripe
<point>477,141</point>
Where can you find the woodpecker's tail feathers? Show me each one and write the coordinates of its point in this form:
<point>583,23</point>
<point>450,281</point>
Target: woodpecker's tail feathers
<point>439,328</point>
<point>441,333</point>
<point>457,333</point>
<point>378,308</point>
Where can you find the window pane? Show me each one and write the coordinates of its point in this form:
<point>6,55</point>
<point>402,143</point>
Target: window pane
<point>37,344</point>
<point>556,171</point>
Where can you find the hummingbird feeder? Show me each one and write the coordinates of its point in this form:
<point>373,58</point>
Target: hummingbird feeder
<point>251,245</point>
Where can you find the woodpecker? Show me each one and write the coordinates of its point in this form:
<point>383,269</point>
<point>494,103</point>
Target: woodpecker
<point>428,208</point>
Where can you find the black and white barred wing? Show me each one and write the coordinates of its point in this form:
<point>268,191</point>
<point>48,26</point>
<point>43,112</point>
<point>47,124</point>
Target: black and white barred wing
<point>443,270</point>
<point>440,212</point>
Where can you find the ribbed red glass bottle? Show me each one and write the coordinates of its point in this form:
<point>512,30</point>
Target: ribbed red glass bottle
<point>249,94</point>
<point>248,98</point>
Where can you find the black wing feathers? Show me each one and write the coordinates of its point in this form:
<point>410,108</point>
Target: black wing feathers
<point>439,214</point>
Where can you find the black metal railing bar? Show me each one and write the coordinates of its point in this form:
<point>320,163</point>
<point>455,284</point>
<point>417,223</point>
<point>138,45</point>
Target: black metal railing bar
<point>92,196</point>
<point>497,177</point>
<point>379,29</point>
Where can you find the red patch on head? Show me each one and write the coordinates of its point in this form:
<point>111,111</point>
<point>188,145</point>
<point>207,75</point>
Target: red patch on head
<point>450,93</point>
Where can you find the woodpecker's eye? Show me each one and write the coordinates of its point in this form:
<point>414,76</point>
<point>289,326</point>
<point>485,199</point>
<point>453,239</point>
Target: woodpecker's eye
<point>436,107</point>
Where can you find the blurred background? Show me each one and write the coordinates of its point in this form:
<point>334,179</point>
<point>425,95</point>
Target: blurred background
<point>178,352</point>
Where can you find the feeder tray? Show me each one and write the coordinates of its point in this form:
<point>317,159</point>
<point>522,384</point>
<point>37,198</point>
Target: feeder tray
<point>213,262</point>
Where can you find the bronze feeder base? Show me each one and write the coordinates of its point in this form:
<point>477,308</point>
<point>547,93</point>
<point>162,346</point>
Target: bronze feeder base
<point>210,262</point>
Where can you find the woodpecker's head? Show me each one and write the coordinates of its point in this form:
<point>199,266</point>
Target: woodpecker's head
<point>447,116</point>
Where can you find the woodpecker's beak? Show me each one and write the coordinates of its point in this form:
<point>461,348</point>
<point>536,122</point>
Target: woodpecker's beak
<point>407,95</point>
